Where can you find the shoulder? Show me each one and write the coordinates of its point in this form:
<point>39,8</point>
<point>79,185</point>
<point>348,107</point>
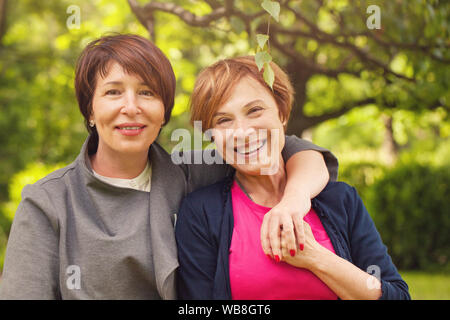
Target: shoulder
<point>208,192</point>
<point>164,162</point>
<point>205,204</point>
<point>340,201</point>
<point>55,176</point>
<point>53,183</point>
<point>208,197</point>
<point>43,194</point>
<point>337,192</point>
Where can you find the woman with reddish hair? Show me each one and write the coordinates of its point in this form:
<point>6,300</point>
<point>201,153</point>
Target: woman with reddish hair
<point>102,227</point>
<point>221,254</point>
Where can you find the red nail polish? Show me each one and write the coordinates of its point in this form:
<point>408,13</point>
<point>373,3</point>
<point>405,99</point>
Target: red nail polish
<point>292,252</point>
<point>269,256</point>
<point>277,258</point>
<point>301,246</point>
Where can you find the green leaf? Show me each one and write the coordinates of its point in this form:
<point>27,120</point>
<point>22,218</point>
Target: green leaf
<point>237,24</point>
<point>273,8</point>
<point>262,39</point>
<point>262,58</point>
<point>268,75</point>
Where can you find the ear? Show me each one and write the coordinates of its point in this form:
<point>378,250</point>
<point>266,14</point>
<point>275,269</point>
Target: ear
<point>283,121</point>
<point>91,119</point>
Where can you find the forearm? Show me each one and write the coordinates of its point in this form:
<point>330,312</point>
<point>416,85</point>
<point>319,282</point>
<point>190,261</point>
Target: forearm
<point>345,279</point>
<point>306,174</point>
<point>202,168</point>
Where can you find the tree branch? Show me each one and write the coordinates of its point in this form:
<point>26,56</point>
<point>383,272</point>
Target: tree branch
<point>335,114</point>
<point>322,36</point>
<point>410,46</point>
<point>145,18</point>
<point>391,43</point>
<point>303,122</point>
<point>214,4</point>
<point>309,63</point>
<point>185,15</point>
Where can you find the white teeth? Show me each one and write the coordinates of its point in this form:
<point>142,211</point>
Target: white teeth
<point>243,150</point>
<point>130,128</point>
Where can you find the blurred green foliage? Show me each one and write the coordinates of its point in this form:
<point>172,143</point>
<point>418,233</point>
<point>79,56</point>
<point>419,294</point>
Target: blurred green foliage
<point>408,199</point>
<point>411,210</point>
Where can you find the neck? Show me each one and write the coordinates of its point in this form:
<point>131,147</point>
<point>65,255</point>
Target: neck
<point>117,165</point>
<point>265,190</point>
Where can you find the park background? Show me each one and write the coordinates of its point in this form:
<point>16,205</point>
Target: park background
<point>377,98</point>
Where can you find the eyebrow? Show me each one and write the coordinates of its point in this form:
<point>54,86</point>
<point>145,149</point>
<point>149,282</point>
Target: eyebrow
<point>120,82</point>
<point>251,103</point>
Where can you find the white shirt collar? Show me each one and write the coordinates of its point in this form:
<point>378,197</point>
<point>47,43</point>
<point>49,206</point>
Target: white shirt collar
<point>142,182</point>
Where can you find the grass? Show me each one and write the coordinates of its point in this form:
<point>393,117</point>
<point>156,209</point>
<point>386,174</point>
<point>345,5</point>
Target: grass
<point>427,286</point>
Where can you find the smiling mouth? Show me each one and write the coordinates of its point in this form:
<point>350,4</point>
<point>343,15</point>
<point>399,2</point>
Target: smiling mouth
<point>248,150</point>
<point>130,128</point>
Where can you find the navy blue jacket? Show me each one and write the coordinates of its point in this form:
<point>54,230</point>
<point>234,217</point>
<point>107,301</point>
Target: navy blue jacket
<point>204,229</point>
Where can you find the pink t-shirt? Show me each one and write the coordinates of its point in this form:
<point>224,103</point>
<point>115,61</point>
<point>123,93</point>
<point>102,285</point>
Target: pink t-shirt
<point>253,275</point>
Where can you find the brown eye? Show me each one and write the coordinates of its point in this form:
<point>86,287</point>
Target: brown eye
<point>222,120</point>
<point>112,92</point>
<point>147,93</point>
<point>255,109</point>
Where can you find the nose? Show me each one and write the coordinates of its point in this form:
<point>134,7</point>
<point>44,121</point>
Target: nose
<point>131,104</point>
<point>243,131</point>
<point>241,125</point>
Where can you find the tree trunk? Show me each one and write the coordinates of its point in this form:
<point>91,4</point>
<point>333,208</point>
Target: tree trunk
<point>3,5</point>
<point>299,76</point>
<point>390,147</point>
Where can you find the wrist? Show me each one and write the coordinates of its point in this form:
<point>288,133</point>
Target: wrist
<point>296,204</point>
<point>320,259</point>
<point>296,191</point>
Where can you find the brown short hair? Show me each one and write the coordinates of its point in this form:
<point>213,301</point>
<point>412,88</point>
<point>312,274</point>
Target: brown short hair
<point>137,55</point>
<point>215,84</point>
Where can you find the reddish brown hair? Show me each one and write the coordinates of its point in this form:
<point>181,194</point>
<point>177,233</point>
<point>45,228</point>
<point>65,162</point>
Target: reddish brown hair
<point>215,84</point>
<point>137,55</point>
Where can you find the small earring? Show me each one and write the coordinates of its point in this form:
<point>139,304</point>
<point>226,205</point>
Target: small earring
<point>91,123</point>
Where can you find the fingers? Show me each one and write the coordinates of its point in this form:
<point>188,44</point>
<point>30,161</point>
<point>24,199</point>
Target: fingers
<point>274,238</point>
<point>308,230</point>
<point>300,232</point>
<point>288,239</point>
<point>282,236</point>
<point>278,236</point>
<point>265,241</point>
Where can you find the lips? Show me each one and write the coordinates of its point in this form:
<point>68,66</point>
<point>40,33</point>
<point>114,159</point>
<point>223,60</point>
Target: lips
<point>250,148</point>
<point>130,129</point>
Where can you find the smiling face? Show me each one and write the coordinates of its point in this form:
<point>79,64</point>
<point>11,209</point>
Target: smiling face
<point>247,128</point>
<point>126,113</point>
